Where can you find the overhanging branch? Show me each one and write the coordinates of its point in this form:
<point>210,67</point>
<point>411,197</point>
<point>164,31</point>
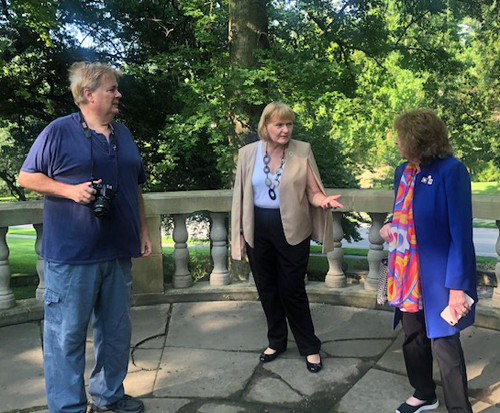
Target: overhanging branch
<point>10,179</point>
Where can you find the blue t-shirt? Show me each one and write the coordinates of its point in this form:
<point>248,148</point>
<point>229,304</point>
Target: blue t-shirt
<point>72,234</point>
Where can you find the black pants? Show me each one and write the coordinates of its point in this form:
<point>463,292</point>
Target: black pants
<point>279,270</point>
<point>418,350</point>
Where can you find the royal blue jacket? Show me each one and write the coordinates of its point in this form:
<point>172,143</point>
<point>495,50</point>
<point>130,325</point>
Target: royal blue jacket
<point>442,213</point>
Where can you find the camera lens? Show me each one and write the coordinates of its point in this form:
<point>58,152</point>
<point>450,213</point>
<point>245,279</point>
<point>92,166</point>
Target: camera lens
<point>104,196</point>
<point>101,207</point>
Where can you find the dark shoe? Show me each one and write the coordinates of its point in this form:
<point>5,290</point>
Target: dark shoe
<point>96,409</point>
<point>266,358</point>
<point>314,367</point>
<point>127,404</point>
<point>428,405</point>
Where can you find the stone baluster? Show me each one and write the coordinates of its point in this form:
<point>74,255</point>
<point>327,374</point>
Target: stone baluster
<point>335,278</point>
<point>376,252</point>
<point>496,293</point>
<point>182,277</point>
<point>40,291</point>
<point>218,235</point>
<point>7,299</point>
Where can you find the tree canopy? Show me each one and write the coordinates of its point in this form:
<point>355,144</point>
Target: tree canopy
<point>346,67</point>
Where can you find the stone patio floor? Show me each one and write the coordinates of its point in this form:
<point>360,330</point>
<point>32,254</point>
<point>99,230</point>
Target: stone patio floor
<point>203,357</point>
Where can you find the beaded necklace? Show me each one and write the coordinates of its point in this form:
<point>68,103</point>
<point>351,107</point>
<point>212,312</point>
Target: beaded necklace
<point>272,185</point>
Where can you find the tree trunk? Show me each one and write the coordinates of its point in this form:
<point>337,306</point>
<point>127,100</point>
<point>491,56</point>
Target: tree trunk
<point>247,33</point>
<point>247,30</point>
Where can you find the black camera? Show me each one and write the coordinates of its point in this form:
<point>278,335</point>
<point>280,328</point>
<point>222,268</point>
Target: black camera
<point>103,197</point>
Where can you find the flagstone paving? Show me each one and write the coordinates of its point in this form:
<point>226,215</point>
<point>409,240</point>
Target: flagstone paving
<point>203,358</point>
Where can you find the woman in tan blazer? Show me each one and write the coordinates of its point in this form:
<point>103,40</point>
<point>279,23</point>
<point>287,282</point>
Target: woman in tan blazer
<point>279,204</point>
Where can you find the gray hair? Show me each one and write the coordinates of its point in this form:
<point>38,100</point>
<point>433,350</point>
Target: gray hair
<point>87,75</point>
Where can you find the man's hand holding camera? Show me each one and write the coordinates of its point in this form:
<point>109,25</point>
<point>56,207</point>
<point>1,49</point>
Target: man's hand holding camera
<point>104,195</point>
<point>82,193</point>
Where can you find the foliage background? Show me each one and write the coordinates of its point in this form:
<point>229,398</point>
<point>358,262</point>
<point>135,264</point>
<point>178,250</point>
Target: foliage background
<point>347,67</point>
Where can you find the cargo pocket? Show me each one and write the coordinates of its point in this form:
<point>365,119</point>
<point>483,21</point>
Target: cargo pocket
<point>52,307</point>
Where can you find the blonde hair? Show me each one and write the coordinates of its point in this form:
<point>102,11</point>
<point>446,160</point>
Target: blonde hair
<point>274,109</point>
<point>87,75</point>
<point>423,135</point>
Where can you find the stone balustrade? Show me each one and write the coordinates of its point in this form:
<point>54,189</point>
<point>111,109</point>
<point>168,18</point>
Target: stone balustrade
<point>148,272</point>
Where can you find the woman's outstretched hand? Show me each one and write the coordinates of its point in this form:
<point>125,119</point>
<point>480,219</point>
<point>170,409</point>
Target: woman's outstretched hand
<point>331,202</point>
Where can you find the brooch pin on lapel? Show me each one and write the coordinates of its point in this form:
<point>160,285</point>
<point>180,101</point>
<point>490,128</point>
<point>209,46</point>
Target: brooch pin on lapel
<point>427,180</point>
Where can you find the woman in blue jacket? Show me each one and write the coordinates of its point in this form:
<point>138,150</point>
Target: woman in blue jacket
<point>431,260</point>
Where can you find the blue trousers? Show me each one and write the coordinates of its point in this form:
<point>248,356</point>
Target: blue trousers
<point>73,294</point>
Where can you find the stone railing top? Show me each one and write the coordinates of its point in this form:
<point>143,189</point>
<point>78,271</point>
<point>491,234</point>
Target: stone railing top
<point>187,202</point>
<point>486,206</point>
<point>20,213</point>
<point>364,200</point>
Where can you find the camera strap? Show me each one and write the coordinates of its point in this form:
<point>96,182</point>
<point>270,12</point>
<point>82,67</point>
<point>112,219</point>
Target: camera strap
<point>112,141</point>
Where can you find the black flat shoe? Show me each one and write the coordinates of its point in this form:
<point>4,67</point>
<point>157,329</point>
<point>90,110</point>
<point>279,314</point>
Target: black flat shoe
<point>314,367</point>
<point>266,358</point>
<point>428,405</point>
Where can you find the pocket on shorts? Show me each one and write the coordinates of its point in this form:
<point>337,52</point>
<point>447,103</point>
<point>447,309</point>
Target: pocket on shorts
<point>52,306</point>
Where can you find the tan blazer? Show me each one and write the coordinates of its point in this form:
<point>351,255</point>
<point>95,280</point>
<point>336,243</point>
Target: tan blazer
<point>300,219</point>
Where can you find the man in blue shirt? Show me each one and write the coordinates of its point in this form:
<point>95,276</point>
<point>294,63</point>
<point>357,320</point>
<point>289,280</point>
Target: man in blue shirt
<point>90,171</point>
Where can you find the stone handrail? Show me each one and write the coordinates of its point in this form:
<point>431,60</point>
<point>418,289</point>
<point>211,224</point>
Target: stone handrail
<point>148,272</point>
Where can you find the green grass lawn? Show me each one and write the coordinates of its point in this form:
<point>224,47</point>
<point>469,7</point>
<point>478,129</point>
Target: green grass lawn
<point>21,231</point>
<point>486,263</point>
<point>486,188</point>
<point>169,241</point>
<point>22,257</point>
<point>22,260</point>
<point>23,292</point>
<point>30,196</point>
<point>347,251</point>
<point>485,224</point>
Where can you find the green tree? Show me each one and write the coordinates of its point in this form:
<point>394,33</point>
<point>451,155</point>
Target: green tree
<point>346,67</point>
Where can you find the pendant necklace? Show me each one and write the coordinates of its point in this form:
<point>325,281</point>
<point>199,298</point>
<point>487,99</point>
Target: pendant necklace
<point>273,184</point>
